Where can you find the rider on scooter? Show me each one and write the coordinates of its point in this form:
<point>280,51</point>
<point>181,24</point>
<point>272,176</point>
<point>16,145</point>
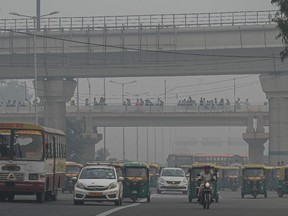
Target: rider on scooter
<point>205,176</point>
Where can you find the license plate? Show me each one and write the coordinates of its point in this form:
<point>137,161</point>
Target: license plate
<point>95,194</point>
<point>173,186</point>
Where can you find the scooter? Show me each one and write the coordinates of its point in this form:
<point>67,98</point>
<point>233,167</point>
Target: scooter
<point>206,195</point>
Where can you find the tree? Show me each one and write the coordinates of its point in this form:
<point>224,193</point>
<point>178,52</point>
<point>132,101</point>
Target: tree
<point>75,140</point>
<point>281,19</point>
<point>100,154</point>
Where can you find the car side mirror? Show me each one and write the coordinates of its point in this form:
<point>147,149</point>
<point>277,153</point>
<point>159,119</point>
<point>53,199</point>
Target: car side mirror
<point>158,175</point>
<point>74,179</point>
<point>121,178</point>
<point>187,175</point>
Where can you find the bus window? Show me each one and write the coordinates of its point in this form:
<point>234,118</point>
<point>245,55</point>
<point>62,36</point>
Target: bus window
<point>28,145</point>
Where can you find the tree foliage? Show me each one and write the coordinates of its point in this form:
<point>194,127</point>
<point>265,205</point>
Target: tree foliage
<point>281,19</point>
<point>75,140</point>
<point>101,154</point>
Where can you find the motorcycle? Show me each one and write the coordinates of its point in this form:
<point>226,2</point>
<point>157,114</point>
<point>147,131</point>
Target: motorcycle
<point>206,195</point>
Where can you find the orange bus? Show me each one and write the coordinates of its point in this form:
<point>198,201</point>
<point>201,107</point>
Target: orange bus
<point>32,161</point>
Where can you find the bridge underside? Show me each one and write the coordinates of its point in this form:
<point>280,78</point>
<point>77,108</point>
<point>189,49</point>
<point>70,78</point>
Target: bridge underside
<point>151,120</point>
<point>144,64</point>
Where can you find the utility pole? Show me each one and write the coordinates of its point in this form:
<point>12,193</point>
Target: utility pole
<point>104,133</point>
<point>155,144</point>
<point>147,143</point>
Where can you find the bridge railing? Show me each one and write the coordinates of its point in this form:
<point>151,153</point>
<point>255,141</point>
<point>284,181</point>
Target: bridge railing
<point>118,108</point>
<point>145,21</point>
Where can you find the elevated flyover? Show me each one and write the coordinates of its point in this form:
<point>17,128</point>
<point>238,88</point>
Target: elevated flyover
<point>149,116</point>
<point>143,45</point>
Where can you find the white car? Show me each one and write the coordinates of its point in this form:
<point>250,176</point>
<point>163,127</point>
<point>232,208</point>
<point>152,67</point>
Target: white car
<point>172,179</point>
<point>98,184</point>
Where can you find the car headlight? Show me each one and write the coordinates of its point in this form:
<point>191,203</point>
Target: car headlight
<point>162,181</point>
<point>207,184</point>
<point>79,185</point>
<point>112,185</point>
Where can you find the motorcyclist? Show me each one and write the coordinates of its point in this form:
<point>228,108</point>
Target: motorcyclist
<point>206,175</point>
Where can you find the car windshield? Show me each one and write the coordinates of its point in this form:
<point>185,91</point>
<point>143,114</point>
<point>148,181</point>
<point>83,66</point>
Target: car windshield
<point>73,169</point>
<point>173,172</point>
<point>195,172</point>
<point>286,174</point>
<point>26,145</point>
<point>135,172</point>
<point>254,173</point>
<point>231,172</point>
<point>97,173</point>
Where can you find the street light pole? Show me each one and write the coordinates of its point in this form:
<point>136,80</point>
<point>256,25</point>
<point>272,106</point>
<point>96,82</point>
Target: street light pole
<point>123,129</point>
<point>38,14</point>
<point>35,72</point>
<point>147,143</point>
<point>36,22</point>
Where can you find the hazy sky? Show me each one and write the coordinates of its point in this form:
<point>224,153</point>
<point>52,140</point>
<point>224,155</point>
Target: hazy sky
<point>153,85</point>
<point>122,7</point>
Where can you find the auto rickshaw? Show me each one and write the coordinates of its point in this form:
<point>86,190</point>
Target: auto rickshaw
<point>154,171</point>
<point>72,171</point>
<point>269,177</point>
<point>194,184</point>
<point>253,180</point>
<point>275,177</point>
<point>283,181</point>
<point>230,177</point>
<point>186,169</point>
<point>119,168</point>
<point>136,181</point>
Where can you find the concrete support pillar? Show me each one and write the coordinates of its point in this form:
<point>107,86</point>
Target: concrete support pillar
<point>256,137</point>
<point>89,149</point>
<point>54,94</point>
<point>256,143</point>
<point>276,89</point>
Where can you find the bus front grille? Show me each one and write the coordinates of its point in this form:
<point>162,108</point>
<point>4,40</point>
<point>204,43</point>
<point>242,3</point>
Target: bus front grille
<point>18,176</point>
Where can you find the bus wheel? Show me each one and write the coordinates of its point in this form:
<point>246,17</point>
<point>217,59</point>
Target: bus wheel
<point>54,196</point>
<point>40,197</point>
<point>10,197</point>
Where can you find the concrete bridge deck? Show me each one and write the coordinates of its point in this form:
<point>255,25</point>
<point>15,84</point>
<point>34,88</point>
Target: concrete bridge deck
<point>132,116</point>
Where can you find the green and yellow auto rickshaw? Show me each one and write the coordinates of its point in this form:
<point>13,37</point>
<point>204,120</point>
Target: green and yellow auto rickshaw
<point>72,170</point>
<point>136,181</point>
<point>154,172</point>
<point>283,181</point>
<point>119,168</point>
<point>186,169</point>
<point>253,180</point>
<point>269,177</point>
<point>275,177</point>
<point>194,184</point>
<point>230,177</point>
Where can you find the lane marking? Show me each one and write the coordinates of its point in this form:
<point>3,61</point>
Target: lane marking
<point>111,211</point>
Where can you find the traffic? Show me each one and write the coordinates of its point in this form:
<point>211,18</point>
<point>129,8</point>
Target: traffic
<point>33,162</point>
